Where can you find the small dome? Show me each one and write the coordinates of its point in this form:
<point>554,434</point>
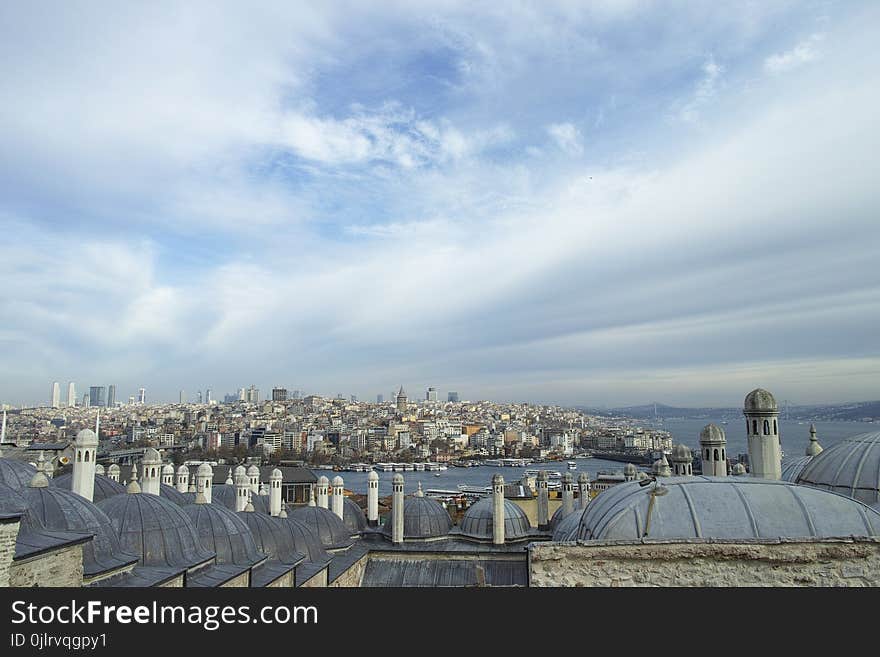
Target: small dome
<point>224,532</point>
<point>223,494</point>
<point>560,514</point>
<point>353,516</point>
<point>167,469</point>
<point>151,456</point>
<point>183,470</point>
<point>724,508</point>
<point>276,474</point>
<point>16,474</point>
<point>323,481</point>
<point>306,541</point>
<point>86,438</point>
<point>61,510</point>
<point>13,502</point>
<point>273,536</point>
<point>422,518</point>
<point>240,470</point>
<point>712,433</point>
<point>396,479</point>
<point>105,487</point>
<point>171,493</point>
<point>566,525</point>
<point>337,481</point>
<point>851,468</point>
<point>325,524</point>
<point>477,521</point>
<point>253,471</point>
<point>372,476</point>
<point>760,401</point>
<point>155,529</point>
<point>682,454</point>
<point>739,469</point>
<point>205,470</point>
<point>791,468</point>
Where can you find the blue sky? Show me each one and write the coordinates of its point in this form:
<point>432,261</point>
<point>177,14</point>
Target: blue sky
<point>600,203</point>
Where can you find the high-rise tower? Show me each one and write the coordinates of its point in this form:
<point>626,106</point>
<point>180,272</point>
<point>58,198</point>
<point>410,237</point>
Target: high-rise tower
<point>71,394</point>
<point>401,401</point>
<point>56,395</point>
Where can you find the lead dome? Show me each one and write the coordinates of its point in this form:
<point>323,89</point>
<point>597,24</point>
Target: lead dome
<point>104,486</point>
<point>422,518</point>
<point>325,524</point>
<point>760,401</point>
<point>851,468</point>
<point>477,521</point>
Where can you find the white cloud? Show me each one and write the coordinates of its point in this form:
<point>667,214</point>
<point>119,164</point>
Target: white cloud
<point>567,137</point>
<point>804,52</point>
<point>703,93</point>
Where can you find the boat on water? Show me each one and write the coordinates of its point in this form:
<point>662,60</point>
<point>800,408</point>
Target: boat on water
<point>474,490</point>
<point>572,465</point>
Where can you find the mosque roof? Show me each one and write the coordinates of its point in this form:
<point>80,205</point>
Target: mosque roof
<point>104,486</point>
<point>224,532</point>
<point>477,521</point>
<point>325,524</point>
<point>423,517</point>
<point>851,468</point>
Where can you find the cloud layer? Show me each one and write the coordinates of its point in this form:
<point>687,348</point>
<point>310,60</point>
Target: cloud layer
<point>603,204</point>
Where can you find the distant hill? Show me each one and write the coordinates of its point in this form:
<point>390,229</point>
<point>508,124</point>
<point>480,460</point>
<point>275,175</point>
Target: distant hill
<point>850,411</point>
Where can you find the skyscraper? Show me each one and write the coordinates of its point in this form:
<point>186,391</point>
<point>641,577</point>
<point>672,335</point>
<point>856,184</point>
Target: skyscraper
<point>241,394</point>
<point>71,394</point>
<point>56,395</point>
<point>200,396</point>
<point>182,397</point>
<point>86,400</point>
<point>452,396</point>
<point>380,398</point>
<point>208,396</point>
<point>279,394</point>
<point>96,396</point>
<point>431,395</point>
<point>111,396</point>
<point>142,396</point>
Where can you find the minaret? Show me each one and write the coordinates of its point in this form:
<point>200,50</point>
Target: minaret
<point>713,451</point>
<point>323,485</point>
<point>583,490</point>
<point>682,461</point>
<point>567,493</point>
<point>543,501</point>
<point>182,479</point>
<point>168,474</point>
<point>113,472</point>
<point>204,477</point>
<point>85,446</point>
<point>3,429</point>
<point>397,508</point>
<point>338,496</point>
<point>498,509</point>
<point>253,473</point>
<point>275,492</point>
<point>372,499</point>
<point>242,490</point>
<point>762,430</point>
<point>151,476</point>
<point>814,447</point>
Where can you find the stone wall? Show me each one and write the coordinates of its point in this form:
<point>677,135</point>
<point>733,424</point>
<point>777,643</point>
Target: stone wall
<point>820,562</point>
<point>62,567</point>
<point>353,576</point>
<point>317,580</point>
<point>8,534</point>
<point>239,581</point>
<point>286,581</point>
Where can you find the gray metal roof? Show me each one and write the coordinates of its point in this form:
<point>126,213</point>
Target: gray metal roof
<point>215,575</point>
<point>353,516</point>
<point>565,526</point>
<point>156,529</point>
<point>104,486</point>
<point>222,531</point>
<point>558,515</point>
<point>172,494</point>
<point>273,536</point>
<point>325,524</point>
<point>444,572</point>
<point>16,474</point>
<point>422,518</point>
<point>306,541</point>
<point>792,468</point>
<point>723,508</point>
<point>851,468</point>
<point>477,521</point>
<point>61,510</point>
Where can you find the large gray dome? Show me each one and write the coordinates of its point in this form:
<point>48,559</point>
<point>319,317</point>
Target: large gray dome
<point>566,525</point>
<point>307,542</point>
<point>326,525</point>
<point>273,536</point>
<point>724,508</point>
<point>61,510</point>
<point>792,468</point>
<point>422,518</point>
<point>222,531</point>
<point>155,529</point>
<point>104,486</point>
<point>174,495</point>
<point>560,514</point>
<point>760,401</point>
<point>851,468</point>
<point>16,474</point>
<point>477,521</point>
<point>353,516</point>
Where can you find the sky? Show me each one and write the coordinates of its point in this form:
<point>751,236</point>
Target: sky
<point>601,203</point>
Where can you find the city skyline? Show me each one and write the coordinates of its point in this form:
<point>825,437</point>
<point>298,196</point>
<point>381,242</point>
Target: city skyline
<point>610,204</point>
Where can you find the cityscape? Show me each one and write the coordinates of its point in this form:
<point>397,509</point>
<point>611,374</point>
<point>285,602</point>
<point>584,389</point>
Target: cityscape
<point>437,295</point>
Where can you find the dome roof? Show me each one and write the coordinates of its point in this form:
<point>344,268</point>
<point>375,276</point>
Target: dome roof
<point>104,486</point>
<point>171,493</point>
<point>422,518</point>
<point>86,438</point>
<point>791,468</point>
<point>712,433</point>
<point>155,529</point>
<point>325,524</point>
<point>353,516</point>
<point>724,508</point>
<point>224,494</point>
<point>477,521</point>
<point>59,509</point>
<point>224,532</point>
<point>16,474</point>
<point>738,469</point>
<point>760,401</point>
<point>851,468</point>
<point>682,453</point>
<point>306,541</point>
<point>13,503</point>
<point>273,536</point>
<point>560,514</point>
<point>566,525</point>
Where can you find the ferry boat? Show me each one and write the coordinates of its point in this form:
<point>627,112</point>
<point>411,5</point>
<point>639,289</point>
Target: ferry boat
<point>475,490</point>
<point>409,467</point>
<point>551,474</point>
<point>495,463</point>
<point>420,467</point>
<point>385,467</point>
<point>572,465</point>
